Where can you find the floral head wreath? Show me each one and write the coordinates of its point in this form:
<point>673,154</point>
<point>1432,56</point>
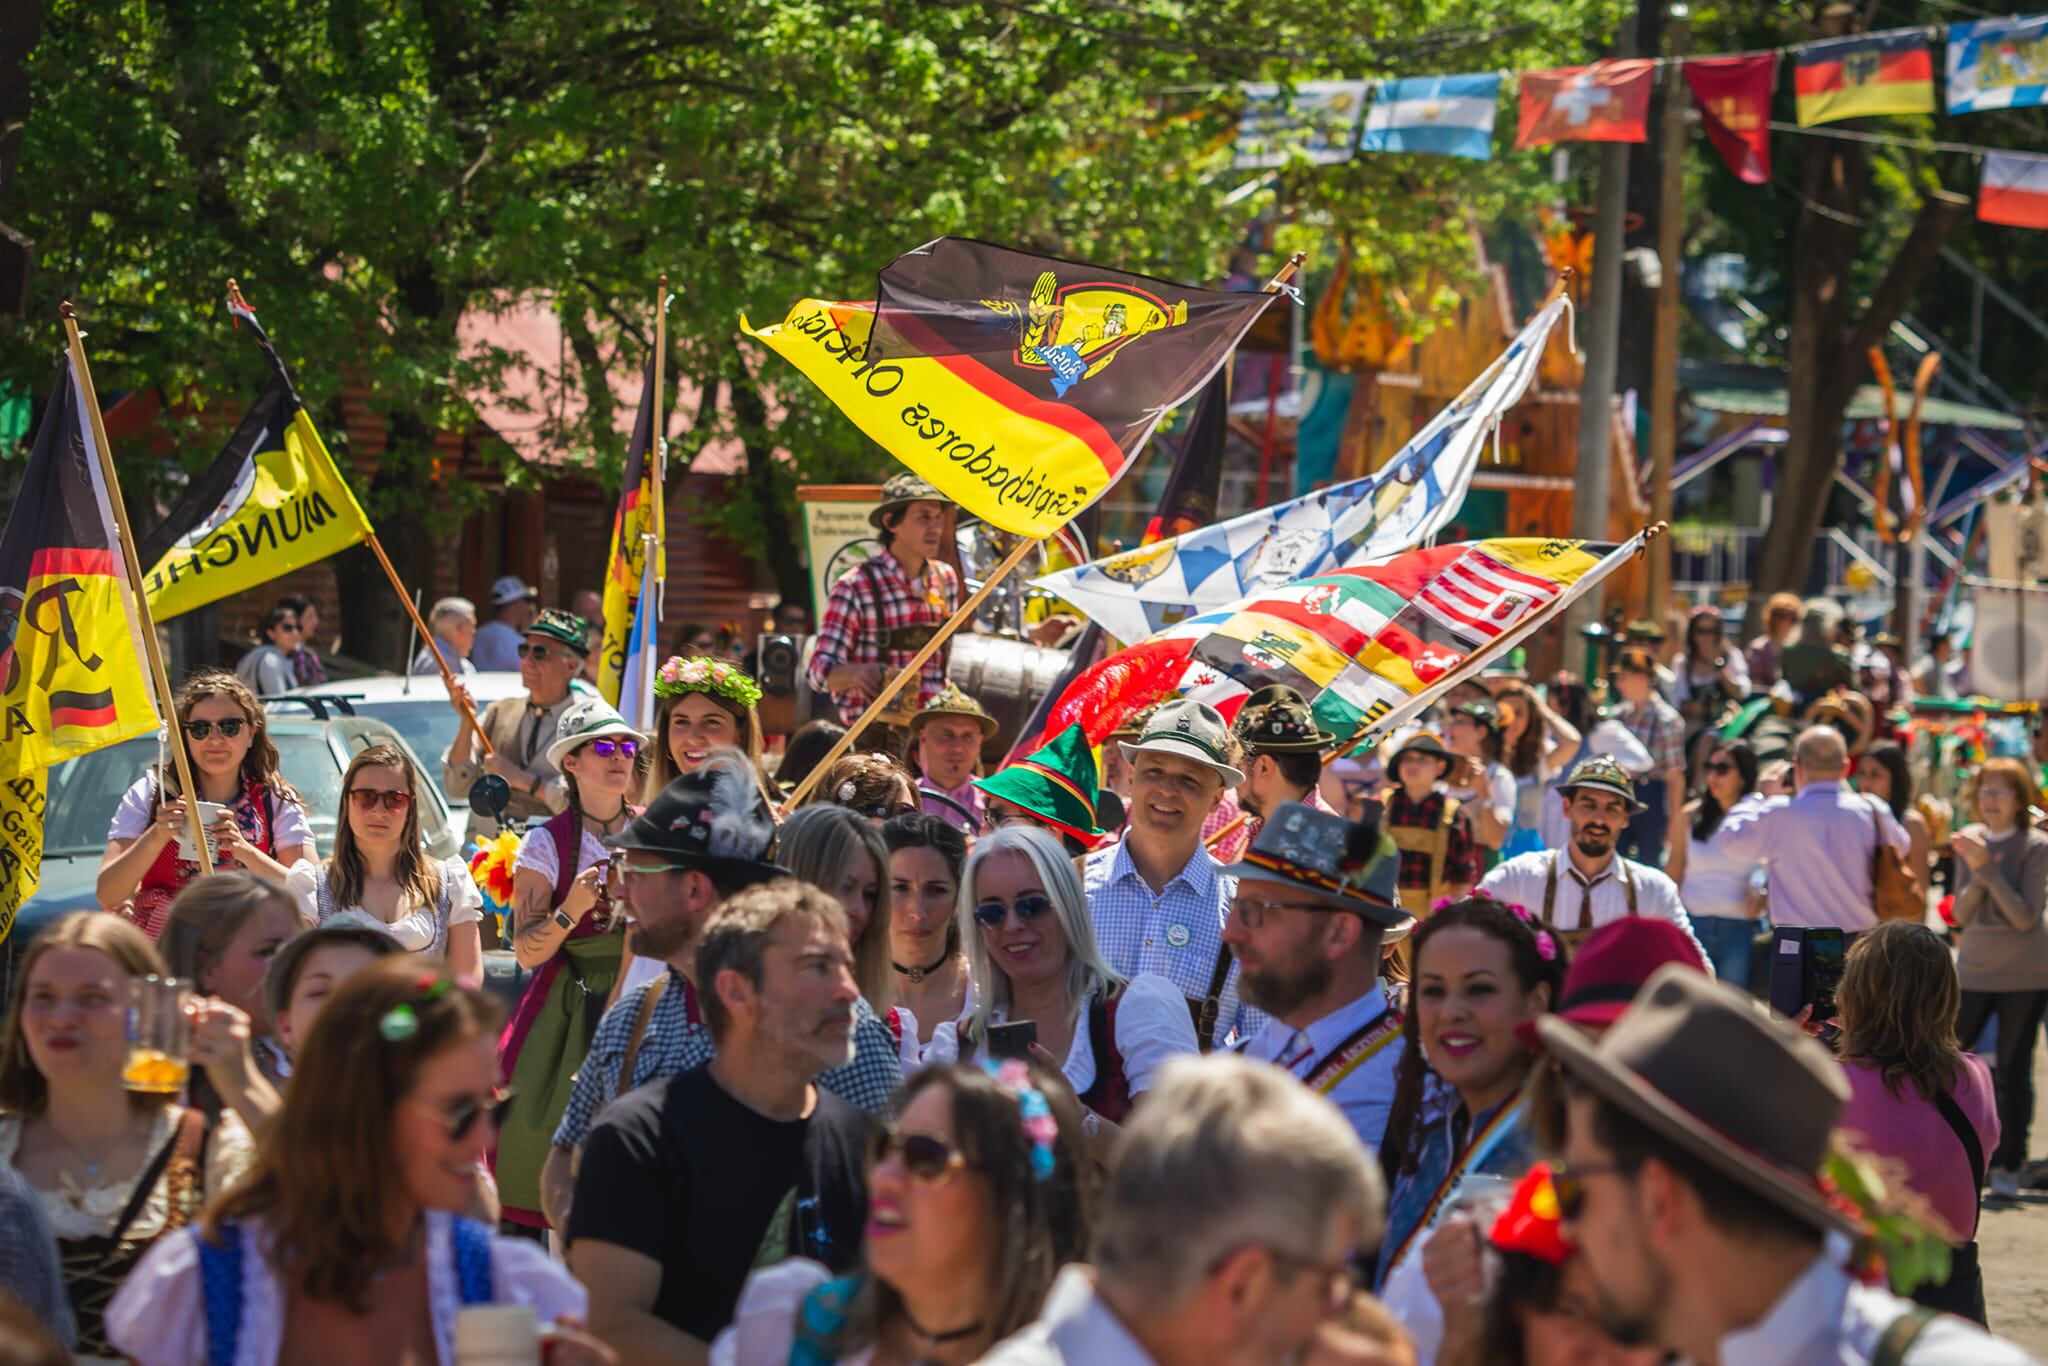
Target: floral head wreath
<point>1039,1125</point>
<point>678,676</point>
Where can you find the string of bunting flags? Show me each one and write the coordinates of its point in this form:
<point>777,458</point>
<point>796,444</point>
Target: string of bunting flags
<point>1990,64</point>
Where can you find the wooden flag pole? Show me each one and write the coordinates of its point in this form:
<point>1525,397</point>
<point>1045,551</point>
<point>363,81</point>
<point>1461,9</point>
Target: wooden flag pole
<point>909,671</point>
<point>412,609</point>
<point>152,650</point>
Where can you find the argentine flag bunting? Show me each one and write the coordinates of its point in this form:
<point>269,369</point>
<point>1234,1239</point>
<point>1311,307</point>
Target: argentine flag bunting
<point>1446,115</point>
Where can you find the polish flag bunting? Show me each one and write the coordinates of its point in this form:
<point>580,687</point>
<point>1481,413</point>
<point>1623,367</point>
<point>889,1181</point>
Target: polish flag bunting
<point>2014,191</point>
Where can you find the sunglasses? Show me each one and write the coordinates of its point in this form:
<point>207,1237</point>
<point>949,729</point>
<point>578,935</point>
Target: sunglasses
<point>1570,1184</point>
<point>370,798</point>
<point>461,1117</point>
<point>990,914</point>
<point>229,728</point>
<point>1718,766</point>
<point>930,1161</point>
<point>539,654</point>
<point>291,626</point>
<point>605,749</point>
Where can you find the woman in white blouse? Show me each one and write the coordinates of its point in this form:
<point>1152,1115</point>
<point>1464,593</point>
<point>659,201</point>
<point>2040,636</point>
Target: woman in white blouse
<point>1713,883</point>
<point>1031,949</point>
<point>380,868</point>
<point>925,949</point>
<point>324,1255</point>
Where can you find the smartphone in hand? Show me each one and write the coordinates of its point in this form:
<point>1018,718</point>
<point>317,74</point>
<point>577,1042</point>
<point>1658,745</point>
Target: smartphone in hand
<point>1012,1040</point>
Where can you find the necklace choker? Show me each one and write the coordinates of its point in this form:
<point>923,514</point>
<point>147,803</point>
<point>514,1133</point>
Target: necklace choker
<point>917,975</point>
<point>925,1335</point>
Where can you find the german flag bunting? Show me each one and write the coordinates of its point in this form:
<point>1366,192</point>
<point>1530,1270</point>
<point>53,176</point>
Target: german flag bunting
<point>633,522</point>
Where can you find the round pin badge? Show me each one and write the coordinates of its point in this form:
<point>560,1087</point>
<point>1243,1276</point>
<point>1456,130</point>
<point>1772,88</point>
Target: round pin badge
<point>1178,936</point>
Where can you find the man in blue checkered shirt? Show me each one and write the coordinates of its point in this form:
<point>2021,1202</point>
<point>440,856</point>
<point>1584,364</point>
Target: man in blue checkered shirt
<point>1157,897</point>
<point>672,881</point>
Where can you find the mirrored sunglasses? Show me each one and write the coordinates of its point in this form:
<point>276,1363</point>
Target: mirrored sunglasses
<point>605,749</point>
<point>229,728</point>
<point>990,914</point>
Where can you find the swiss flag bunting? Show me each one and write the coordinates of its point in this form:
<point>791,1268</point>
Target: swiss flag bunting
<point>1604,102</point>
<point>1734,99</point>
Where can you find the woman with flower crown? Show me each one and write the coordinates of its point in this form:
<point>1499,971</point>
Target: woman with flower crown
<point>1483,970</point>
<point>701,705</point>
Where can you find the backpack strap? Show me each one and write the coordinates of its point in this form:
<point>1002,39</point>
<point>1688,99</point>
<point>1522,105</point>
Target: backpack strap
<point>472,1260</point>
<point>1898,1339</point>
<point>632,1054</point>
<point>220,1279</point>
<point>1973,1148</point>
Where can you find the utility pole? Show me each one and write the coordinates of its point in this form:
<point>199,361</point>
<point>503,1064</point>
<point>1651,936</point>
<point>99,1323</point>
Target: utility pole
<point>1670,248</point>
<point>1603,328</point>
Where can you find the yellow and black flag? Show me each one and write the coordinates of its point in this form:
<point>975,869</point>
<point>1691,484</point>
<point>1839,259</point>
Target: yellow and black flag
<point>271,502</point>
<point>71,670</point>
<point>636,529</point>
<point>1020,386</point>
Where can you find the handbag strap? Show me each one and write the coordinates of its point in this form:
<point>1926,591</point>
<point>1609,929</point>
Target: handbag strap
<point>1898,1339</point>
<point>1973,1148</point>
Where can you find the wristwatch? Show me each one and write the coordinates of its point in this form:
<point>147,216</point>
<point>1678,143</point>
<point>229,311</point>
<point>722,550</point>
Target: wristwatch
<point>562,919</point>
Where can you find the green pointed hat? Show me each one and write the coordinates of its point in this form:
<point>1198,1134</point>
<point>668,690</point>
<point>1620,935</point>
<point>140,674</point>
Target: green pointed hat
<point>1059,784</point>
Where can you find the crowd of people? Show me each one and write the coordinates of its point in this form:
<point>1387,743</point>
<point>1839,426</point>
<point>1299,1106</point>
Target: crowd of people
<point>1207,1051</point>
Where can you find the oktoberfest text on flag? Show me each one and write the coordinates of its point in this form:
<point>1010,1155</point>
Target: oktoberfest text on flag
<point>1413,496</point>
<point>1020,386</point>
<point>71,677</point>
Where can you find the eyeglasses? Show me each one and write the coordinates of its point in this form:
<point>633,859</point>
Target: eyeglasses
<point>291,626</point>
<point>605,749</point>
<point>1253,911</point>
<point>990,914</point>
<point>229,728</point>
<point>539,654</point>
<point>930,1161</point>
<point>1569,1181</point>
<point>370,798</point>
<point>1719,766</point>
<point>1340,1278</point>
<point>621,867</point>
<point>461,1117</point>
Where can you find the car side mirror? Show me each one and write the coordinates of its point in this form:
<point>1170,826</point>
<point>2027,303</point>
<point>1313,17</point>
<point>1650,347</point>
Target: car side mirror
<point>489,795</point>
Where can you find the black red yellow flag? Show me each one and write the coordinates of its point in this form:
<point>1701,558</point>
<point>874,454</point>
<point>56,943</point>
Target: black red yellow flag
<point>1020,386</point>
<point>71,670</point>
<point>634,531</point>
<point>271,502</point>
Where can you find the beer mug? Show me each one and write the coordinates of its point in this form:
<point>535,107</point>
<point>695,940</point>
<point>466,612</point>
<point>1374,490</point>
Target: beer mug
<point>159,1036</point>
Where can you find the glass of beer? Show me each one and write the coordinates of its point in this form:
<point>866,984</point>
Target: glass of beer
<point>158,1036</point>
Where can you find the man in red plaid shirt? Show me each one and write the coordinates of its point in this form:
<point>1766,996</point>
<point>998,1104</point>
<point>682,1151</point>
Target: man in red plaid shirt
<point>885,610</point>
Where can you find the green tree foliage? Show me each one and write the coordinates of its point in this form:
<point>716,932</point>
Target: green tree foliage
<point>372,170</point>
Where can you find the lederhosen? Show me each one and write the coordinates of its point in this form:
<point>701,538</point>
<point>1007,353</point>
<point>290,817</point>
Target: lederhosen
<point>1210,1006</point>
<point>1433,840</point>
<point>1576,935</point>
<point>896,640</point>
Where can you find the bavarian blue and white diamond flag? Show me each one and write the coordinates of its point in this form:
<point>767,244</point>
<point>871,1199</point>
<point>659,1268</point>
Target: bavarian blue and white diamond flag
<point>1997,64</point>
<point>1138,592</point>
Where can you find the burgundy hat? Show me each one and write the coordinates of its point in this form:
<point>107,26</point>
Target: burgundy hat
<point>1611,966</point>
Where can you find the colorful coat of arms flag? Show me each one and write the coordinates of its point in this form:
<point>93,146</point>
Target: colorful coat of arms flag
<point>1997,64</point>
<point>1448,116</point>
<point>1368,646</point>
<point>1866,73</point>
<point>1316,121</point>
<point>1413,496</point>
<point>1019,386</point>
<point>71,671</point>
<point>2014,191</point>
<point>1604,102</point>
<point>635,529</point>
<point>271,502</point>
<point>1734,99</point>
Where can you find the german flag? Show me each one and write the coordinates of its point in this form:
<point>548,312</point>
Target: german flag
<point>71,675</point>
<point>1870,73</point>
<point>1020,386</point>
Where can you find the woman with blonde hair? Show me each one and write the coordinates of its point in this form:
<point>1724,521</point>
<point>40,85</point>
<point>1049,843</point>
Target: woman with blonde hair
<point>115,1170</point>
<point>345,1242</point>
<point>836,851</point>
<point>380,867</point>
<point>234,765</point>
<point>1914,1095</point>
<point>1032,953</point>
<point>701,705</point>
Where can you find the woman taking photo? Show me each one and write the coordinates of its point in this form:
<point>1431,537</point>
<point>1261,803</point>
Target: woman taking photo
<point>925,857</point>
<point>1533,738</point>
<point>563,934</point>
<point>115,1170</point>
<point>1031,949</point>
<point>977,1195</point>
<point>2001,884</point>
<point>1881,772</point>
<point>1714,884</point>
<point>842,854</point>
<point>701,705</point>
<point>342,1243</point>
<point>1710,672</point>
<point>1915,1096</point>
<point>1480,970</point>
<point>234,765</point>
<point>380,867</point>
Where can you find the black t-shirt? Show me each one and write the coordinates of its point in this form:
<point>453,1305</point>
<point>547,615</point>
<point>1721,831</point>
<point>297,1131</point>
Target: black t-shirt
<point>679,1171</point>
